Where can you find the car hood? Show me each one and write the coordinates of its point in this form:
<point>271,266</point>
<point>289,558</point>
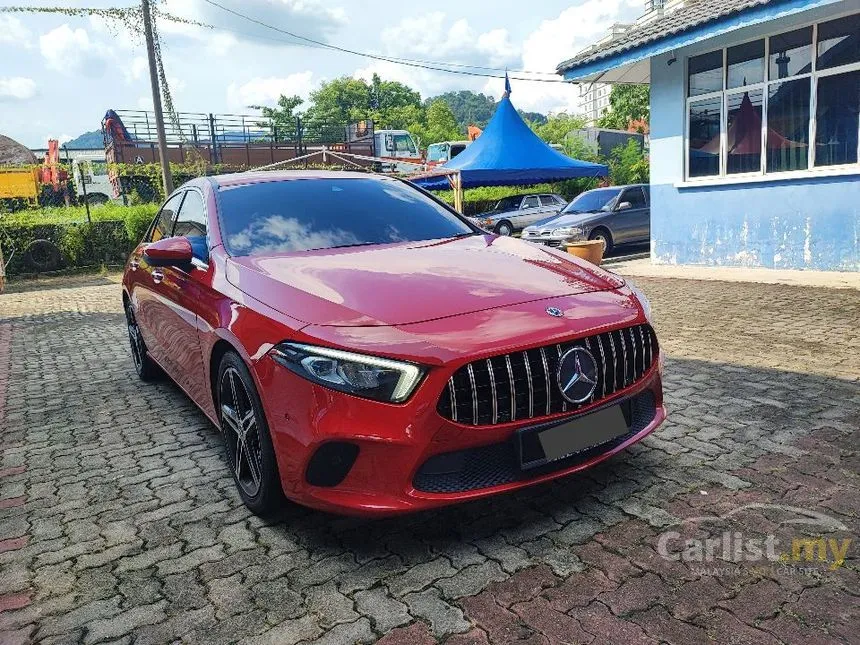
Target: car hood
<point>571,219</point>
<point>396,284</point>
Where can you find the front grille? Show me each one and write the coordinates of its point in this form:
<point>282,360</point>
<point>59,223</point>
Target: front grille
<point>522,385</point>
<point>496,464</point>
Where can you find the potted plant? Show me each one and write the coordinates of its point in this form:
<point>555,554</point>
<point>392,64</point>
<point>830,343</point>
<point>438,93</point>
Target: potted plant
<point>589,250</point>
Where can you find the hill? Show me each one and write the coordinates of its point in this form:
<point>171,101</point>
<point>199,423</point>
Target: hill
<point>91,139</point>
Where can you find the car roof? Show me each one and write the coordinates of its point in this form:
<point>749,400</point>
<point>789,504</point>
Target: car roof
<point>262,176</point>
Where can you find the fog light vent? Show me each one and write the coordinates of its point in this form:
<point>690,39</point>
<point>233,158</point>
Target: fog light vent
<point>331,463</point>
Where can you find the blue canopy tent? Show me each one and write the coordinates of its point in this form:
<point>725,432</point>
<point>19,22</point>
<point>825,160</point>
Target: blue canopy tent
<point>508,153</point>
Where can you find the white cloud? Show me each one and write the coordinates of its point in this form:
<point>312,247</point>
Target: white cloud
<point>13,32</point>
<point>71,51</point>
<point>266,91</point>
<point>560,38</point>
<point>433,37</point>
<point>137,70</point>
<point>310,18</point>
<point>17,88</point>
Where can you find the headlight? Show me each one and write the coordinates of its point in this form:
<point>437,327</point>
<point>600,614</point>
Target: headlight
<point>487,223</point>
<point>367,376</point>
<point>528,232</point>
<point>567,231</point>
<point>643,299</point>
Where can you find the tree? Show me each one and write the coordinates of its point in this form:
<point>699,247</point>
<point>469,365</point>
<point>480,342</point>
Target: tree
<point>628,164</point>
<point>469,108</point>
<point>557,126</point>
<point>439,124</point>
<point>284,115</point>
<point>345,99</point>
<point>628,103</point>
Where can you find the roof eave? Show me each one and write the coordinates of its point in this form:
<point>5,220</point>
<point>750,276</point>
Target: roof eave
<point>589,67</point>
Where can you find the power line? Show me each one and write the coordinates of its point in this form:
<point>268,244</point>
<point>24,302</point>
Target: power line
<point>421,64</point>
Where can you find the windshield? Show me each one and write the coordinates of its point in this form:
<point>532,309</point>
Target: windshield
<point>437,152</point>
<point>593,200</point>
<point>507,203</point>
<point>403,143</point>
<point>304,214</point>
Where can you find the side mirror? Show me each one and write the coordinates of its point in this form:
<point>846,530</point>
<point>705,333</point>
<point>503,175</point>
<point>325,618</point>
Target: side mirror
<point>170,251</point>
<point>623,206</point>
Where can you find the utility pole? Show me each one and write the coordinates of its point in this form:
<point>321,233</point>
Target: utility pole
<point>156,100</point>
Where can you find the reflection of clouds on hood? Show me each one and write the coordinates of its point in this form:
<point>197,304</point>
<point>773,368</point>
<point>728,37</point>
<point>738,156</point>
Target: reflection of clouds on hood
<point>279,234</point>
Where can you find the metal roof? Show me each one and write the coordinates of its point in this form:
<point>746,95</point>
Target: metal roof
<point>693,14</point>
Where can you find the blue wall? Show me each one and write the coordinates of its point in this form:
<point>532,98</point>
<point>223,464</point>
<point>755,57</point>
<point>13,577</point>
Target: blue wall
<point>810,223</point>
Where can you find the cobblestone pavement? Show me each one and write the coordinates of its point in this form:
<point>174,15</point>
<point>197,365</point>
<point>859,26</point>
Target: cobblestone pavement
<point>119,521</point>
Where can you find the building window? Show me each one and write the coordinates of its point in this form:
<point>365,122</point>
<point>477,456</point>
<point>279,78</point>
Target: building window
<point>788,102</point>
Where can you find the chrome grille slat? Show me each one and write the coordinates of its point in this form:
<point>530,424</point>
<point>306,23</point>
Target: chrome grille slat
<point>614,362</point>
<point>623,357</point>
<point>471,370</point>
<point>563,400</point>
<point>494,401</point>
<point>531,387</point>
<point>546,379</point>
<point>513,389</point>
<point>633,345</point>
<point>477,394</point>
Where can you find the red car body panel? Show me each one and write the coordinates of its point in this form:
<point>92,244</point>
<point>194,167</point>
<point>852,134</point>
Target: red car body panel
<point>441,304</point>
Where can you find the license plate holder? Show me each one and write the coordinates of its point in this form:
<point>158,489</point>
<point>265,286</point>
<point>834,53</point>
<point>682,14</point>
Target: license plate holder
<point>538,446</point>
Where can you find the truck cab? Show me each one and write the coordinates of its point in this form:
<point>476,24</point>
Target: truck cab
<point>397,146</point>
<point>443,152</point>
<point>90,174</point>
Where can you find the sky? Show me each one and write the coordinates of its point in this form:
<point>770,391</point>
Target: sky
<point>59,74</point>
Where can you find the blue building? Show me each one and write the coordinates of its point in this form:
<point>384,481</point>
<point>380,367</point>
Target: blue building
<point>755,113</point>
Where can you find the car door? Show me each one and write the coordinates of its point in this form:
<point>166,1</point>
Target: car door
<point>182,291</point>
<point>628,223</point>
<point>144,280</point>
<point>529,212</point>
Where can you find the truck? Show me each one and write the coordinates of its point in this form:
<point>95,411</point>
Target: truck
<point>444,151</point>
<point>90,174</point>
<point>397,151</point>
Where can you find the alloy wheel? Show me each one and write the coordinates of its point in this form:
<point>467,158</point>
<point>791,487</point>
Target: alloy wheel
<point>504,229</point>
<point>241,433</point>
<point>138,349</point>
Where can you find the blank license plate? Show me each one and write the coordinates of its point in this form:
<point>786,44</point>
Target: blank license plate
<point>543,446</point>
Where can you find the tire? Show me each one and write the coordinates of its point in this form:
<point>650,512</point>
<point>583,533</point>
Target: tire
<point>246,432</point>
<point>147,370</point>
<point>606,236</point>
<point>97,199</point>
<point>43,255</point>
<point>504,228</point>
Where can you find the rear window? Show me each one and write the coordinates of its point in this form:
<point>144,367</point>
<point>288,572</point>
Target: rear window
<point>305,214</point>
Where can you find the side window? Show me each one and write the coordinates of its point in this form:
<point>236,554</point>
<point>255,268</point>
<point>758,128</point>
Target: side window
<point>163,224</point>
<point>530,202</point>
<point>634,196</point>
<point>191,223</point>
<point>548,200</point>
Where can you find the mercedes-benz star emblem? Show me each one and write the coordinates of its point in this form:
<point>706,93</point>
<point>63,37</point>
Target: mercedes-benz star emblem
<point>577,375</point>
<point>555,311</point>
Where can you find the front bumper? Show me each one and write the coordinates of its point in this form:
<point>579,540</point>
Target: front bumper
<point>552,240</point>
<point>396,441</point>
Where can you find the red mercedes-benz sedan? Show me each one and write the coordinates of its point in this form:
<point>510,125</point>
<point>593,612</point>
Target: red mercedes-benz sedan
<point>365,349</point>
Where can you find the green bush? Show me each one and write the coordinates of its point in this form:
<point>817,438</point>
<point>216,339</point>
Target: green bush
<point>112,234</point>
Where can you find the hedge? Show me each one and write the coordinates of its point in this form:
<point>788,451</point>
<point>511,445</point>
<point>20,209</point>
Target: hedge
<point>108,239</point>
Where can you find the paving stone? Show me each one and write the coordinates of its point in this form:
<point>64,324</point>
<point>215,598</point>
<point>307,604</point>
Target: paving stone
<point>125,623</point>
<point>443,618</point>
<point>471,580</point>
<point>384,611</point>
<point>415,634</point>
<point>347,634</point>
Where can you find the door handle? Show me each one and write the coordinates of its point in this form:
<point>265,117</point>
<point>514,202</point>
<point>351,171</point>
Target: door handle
<point>157,276</point>
<point>133,264</point>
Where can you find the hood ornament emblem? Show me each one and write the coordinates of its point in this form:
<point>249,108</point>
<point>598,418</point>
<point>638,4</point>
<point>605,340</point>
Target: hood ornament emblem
<point>555,312</point>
